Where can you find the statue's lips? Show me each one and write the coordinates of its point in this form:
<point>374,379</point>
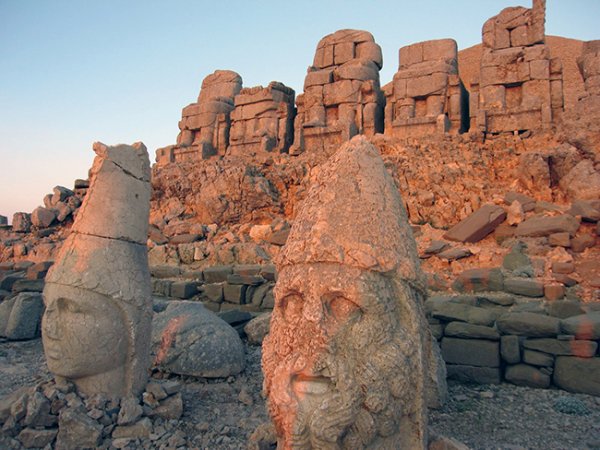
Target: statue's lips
<point>310,385</point>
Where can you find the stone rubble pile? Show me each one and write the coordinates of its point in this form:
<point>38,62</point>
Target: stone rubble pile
<point>50,415</point>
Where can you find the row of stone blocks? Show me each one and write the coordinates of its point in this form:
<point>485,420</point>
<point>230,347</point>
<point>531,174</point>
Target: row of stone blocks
<point>220,288</point>
<point>483,340</point>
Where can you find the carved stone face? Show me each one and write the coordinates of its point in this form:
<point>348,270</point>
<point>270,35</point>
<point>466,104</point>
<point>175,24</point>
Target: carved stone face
<point>83,333</point>
<point>335,361</point>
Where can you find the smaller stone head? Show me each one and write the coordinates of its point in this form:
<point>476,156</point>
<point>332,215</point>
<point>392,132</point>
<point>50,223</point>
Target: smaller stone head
<point>96,327</point>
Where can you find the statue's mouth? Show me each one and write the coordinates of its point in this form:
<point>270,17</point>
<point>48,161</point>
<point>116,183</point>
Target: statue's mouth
<point>303,384</point>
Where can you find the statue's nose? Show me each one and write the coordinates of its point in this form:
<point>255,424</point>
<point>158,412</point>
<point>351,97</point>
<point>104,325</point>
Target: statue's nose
<point>313,310</point>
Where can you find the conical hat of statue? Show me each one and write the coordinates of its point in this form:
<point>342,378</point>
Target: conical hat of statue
<point>353,215</point>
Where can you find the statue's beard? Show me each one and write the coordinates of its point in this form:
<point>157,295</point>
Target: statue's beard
<point>346,394</point>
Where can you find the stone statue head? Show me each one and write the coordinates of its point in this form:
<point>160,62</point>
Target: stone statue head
<point>96,326</point>
<point>345,359</point>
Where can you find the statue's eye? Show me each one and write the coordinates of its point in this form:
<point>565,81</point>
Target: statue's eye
<point>291,306</point>
<point>342,309</point>
<point>65,304</point>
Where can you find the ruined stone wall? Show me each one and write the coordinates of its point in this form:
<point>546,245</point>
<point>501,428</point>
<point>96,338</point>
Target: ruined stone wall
<point>204,125</point>
<point>520,85</point>
<point>342,95</point>
<point>426,95</point>
<point>262,120</point>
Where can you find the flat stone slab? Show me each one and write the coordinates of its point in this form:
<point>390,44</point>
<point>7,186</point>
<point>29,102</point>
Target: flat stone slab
<point>528,324</point>
<point>479,280</point>
<point>477,225</point>
<point>471,352</point>
<point>524,286</point>
<point>526,375</point>
<point>474,374</point>
<point>584,326</point>
<point>578,374</point>
<point>581,348</point>
<point>535,358</point>
<point>470,331</point>
<point>451,311</point>
<point>546,225</point>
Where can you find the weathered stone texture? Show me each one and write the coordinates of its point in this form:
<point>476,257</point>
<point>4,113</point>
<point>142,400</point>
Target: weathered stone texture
<point>205,125</point>
<point>426,96</point>
<point>333,358</point>
<point>342,95</point>
<point>262,120</point>
<point>96,326</point>
<point>520,85</point>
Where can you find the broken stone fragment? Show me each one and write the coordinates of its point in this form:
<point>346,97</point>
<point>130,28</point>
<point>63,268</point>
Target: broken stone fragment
<point>478,225</point>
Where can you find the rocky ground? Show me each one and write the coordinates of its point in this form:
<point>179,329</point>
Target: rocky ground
<point>222,414</point>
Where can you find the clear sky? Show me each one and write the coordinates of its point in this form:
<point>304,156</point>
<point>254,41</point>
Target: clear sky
<point>76,71</point>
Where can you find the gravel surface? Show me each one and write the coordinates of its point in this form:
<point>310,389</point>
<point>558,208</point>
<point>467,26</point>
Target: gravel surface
<point>222,414</point>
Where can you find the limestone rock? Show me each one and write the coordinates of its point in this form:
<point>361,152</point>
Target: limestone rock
<point>77,430</point>
<point>580,348</point>
<point>582,182</point>
<point>472,314</point>
<point>42,217</point>
<point>258,328</point>
<point>524,286</point>
<point>96,325</point>
<point>471,352</point>
<point>546,225</point>
<point>478,280</point>
<point>525,375</point>
<point>478,225</point>
<point>588,210</point>
<point>21,315</point>
<point>510,349</point>
<point>34,438</point>
<point>470,331</point>
<point>528,324</point>
<point>578,374</point>
<point>21,222</point>
<point>584,326</point>
<point>187,339</point>
<point>474,374</point>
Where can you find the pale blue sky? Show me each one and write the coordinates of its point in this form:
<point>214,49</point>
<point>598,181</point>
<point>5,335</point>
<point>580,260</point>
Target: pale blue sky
<point>76,71</point>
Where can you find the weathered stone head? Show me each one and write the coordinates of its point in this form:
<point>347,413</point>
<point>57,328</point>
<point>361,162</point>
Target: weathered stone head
<point>346,356</point>
<point>96,327</point>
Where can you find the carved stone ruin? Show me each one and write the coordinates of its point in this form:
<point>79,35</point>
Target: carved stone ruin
<point>426,95</point>
<point>342,96</point>
<point>263,120</point>
<point>589,68</point>
<point>348,358</point>
<point>96,327</point>
<point>520,85</point>
<point>204,126</point>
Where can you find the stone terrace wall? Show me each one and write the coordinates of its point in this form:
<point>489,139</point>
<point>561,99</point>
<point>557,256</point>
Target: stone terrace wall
<point>426,95</point>
<point>493,337</point>
<point>520,85</point>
